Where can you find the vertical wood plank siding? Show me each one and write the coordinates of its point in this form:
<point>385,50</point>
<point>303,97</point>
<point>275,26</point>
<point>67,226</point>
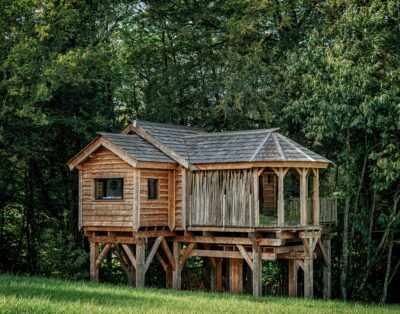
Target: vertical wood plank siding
<point>222,198</point>
<point>98,213</point>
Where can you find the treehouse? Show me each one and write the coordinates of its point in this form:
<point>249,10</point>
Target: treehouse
<point>170,192</point>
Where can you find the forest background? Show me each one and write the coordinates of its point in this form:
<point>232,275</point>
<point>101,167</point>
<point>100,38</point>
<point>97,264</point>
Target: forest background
<point>327,73</point>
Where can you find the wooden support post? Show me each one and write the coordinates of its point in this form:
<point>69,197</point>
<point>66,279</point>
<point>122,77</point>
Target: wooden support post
<point>94,254</point>
<point>256,200</point>
<point>140,265</point>
<point>303,196</point>
<point>218,275</point>
<point>236,275</point>
<point>315,205</point>
<point>293,268</point>
<point>308,278</point>
<point>213,276</point>
<point>177,272</point>
<point>327,270</point>
<point>281,172</point>
<point>257,271</point>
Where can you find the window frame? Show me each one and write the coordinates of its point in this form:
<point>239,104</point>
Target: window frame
<point>119,199</point>
<point>156,189</point>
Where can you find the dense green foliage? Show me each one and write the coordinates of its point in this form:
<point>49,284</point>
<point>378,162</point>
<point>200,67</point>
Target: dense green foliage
<point>326,72</point>
<point>39,295</point>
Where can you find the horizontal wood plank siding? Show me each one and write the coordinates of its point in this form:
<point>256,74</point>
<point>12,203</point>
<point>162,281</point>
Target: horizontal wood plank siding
<point>106,213</point>
<point>154,212</point>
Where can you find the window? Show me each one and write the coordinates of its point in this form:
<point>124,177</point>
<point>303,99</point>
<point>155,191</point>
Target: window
<point>109,189</point>
<point>152,185</point>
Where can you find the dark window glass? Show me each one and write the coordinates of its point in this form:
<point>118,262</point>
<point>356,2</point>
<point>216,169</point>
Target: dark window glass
<point>109,189</point>
<point>152,188</point>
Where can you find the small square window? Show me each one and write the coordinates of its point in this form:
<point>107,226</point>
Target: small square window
<point>109,189</point>
<point>152,186</point>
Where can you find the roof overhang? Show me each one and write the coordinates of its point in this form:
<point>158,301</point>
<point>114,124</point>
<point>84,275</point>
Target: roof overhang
<point>94,145</point>
<point>259,164</point>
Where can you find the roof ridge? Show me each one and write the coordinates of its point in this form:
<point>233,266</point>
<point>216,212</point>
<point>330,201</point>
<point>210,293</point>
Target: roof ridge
<point>295,147</point>
<point>265,139</point>
<point>137,122</point>
<point>235,132</point>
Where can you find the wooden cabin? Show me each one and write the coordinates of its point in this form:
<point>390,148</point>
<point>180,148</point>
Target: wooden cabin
<point>170,192</point>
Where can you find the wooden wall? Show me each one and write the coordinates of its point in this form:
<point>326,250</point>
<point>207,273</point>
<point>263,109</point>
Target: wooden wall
<point>154,212</point>
<point>110,213</point>
<point>223,198</point>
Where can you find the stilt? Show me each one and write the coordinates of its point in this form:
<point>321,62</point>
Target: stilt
<point>257,272</point>
<point>293,268</point>
<point>140,265</point>
<point>94,253</point>
<point>327,270</point>
<point>213,276</point>
<point>177,272</point>
<point>218,275</point>
<point>308,278</point>
<point>236,275</point>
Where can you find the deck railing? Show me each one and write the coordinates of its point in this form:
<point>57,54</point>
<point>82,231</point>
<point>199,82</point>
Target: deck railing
<point>327,207</point>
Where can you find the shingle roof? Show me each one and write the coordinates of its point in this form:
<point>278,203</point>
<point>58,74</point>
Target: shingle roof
<point>169,134</point>
<point>137,147</point>
<point>197,146</point>
<point>247,146</point>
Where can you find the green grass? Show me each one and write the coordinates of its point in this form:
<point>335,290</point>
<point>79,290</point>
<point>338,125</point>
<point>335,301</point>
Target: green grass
<point>40,295</point>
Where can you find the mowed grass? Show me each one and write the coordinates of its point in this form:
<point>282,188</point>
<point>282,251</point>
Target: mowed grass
<point>41,295</point>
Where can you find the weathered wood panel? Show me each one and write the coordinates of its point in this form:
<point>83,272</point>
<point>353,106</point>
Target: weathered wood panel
<point>179,196</point>
<point>222,198</point>
<point>154,212</point>
<point>106,213</point>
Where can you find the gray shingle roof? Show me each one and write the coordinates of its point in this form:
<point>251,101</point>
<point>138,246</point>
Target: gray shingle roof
<point>137,147</point>
<point>169,134</point>
<point>247,146</point>
<point>197,146</point>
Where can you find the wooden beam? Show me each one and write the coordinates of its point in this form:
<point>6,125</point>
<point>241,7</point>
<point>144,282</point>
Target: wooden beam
<point>177,272</point>
<point>186,254</point>
<point>296,255</point>
<point>152,253</point>
<point>171,200</point>
<point>136,200</point>
<point>281,172</point>
<point>129,254</point>
<point>293,268</point>
<point>315,199</point>
<point>103,254</point>
<point>168,254</point>
<point>257,272</point>
<point>94,252</point>
<point>327,273</point>
<point>230,240</point>
<point>165,149</point>
<point>248,165</point>
<point>308,279</point>
<point>80,187</point>
<point>114,240</point>
<point>255,209</point>
<point>140,265</point>
<point>245,255</point>
<point>303,196</point>
<point>218,279</point>
<point>236,276</point>
<point>184,191</point>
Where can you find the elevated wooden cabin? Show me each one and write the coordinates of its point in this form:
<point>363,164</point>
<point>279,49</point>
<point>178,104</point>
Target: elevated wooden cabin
<point>230,196</point>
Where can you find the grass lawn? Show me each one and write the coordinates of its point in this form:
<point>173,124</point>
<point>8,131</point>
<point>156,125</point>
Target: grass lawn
<point>40,295</point>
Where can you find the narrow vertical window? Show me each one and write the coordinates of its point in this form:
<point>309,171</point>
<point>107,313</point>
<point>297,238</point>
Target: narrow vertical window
<point>152,185</point>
